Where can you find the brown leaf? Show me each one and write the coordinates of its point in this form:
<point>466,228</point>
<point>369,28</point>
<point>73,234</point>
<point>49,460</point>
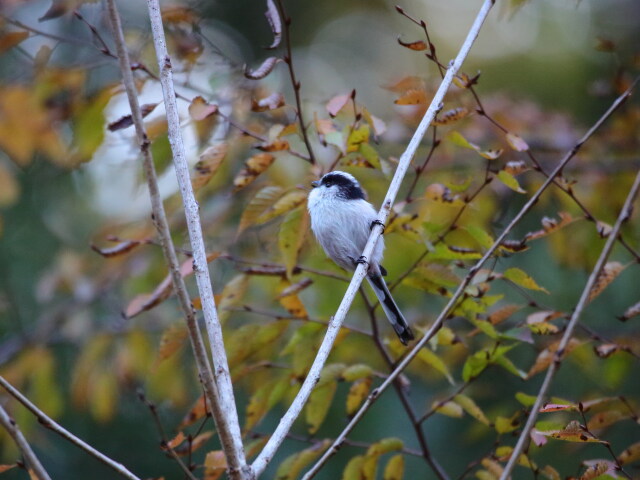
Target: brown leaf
<point>144,302</point>
<point>418,45</point>
<point>546,356</point>
<point>550,225</point>
<point>275,146</point>
<point>127,120</point>
<point>273,17</point>
<point>119,249</point>
<point>608,274</point>
<point>451,116</point>
<point>405,84</point>
<point>11,39</point>
<point>178,14</point>
<point>605,350</point>
<point>175,441</point>
<point>207,166</point>
<point>573,432</point>
<point>337,103</point>
<point>199,109</point>
<point>253,167</point>
<point>631,312</point>
<point>273,101</point>
<point>197,442</point>
<point>515,167</point>
<point>263,70</point>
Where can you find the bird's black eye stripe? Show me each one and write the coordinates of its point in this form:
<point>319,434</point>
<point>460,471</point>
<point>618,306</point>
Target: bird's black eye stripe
<point>347,188</point>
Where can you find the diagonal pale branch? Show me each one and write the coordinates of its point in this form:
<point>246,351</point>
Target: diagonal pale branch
<point>52,425</point>
<point>466,281</point>
<point>624,215</point>
<point>230,440</point>
<point>227,421</point>
<point>33,463</point>
<point>334,325</point>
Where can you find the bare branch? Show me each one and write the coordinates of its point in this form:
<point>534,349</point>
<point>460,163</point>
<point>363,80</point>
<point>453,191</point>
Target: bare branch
<point>466,281</point>
<point>624,215</point>
<point>334,325</point>
<point>32,461</point>
<point>227,417</point>
<point>52,425</point>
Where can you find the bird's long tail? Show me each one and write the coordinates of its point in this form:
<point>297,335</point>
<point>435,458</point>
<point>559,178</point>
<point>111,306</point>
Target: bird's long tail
<point>390,308</point>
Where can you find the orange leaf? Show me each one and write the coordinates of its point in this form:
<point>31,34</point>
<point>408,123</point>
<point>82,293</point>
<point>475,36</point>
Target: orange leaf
<point>11,39</point>
<point>412,97</point>
<point>215,464</point>
<point>275,146</point>
<point>253,167</point>
<point>608,274</point>
<point>451,116</point>
<point>418,45</point>
<point>198,411</point>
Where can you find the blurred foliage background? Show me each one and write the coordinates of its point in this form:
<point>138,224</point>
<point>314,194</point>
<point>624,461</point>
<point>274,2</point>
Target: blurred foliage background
<point>75,335</point>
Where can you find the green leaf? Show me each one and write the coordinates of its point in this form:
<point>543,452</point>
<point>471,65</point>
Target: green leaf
<point>526,400</point>
<point>356,372</point>
<point>506,425</point>
<point>449,409</point>
<point>519,277</point>
<point>480,235</point>
<point>510,181</point>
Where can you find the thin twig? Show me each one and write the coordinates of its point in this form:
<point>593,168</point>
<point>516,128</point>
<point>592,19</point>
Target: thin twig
<point>466,281</point>
<point>33,463</point>
<point>624,215</point>
<point>288,59</point>
<point>334,325</point>
<point>52,425</point>
<point>227,421</point>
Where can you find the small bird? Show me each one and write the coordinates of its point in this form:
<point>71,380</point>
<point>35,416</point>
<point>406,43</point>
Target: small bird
<point>341,220</point>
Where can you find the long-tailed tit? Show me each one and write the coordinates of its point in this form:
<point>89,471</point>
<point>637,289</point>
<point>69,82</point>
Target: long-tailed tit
<point>341,220</point>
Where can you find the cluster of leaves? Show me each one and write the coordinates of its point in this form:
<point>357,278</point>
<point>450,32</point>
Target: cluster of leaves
<point>277,290</point>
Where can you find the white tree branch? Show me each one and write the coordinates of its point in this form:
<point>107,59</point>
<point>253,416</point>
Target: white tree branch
<point>458,293</point>
<point>52,425</point>
<point>334,325</point>
<point>624,215</point>
<point>228,425</point>
<point>33,464</point>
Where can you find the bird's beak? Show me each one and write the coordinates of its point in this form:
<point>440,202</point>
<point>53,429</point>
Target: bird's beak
<point>315,184</point>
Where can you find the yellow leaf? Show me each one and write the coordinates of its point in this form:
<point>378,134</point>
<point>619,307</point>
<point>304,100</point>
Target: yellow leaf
<point>630,454</point>
<point>173,338</point>
<point>607,275</point>
<point>256,165</point>
<point>291,467</point>
<point>449,409</point>
<point>356,372</point>
<point>469,406</point>
<point>386,445</point>
<point>276,145</point>
<point>394,470</point>
<point>357,394</point>
<point>353,470</point>
<point>259,204</point>
<point>284,204</point>
<point>357,137</point>
<point>232,294</point>
<point>431,359</point>
<point>104,396</point>
<point>519,277</point>
<point>291,237</point>
<point>9,187</point>
<point>207,166</point>
<point>197,411</point>
<point>318,405</point>
<point>291,302</point>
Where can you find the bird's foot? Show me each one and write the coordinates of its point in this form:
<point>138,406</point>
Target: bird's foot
<point>377,222</point>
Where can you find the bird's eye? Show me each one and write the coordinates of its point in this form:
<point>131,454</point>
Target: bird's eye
<point>328,183</point>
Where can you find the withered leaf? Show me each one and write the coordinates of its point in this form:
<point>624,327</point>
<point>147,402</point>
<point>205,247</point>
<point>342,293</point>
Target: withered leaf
<point>197,411</point>
<point>412,97</point>
<point>337,103</point>
<point>263,70</point>
<point>608,274</point>
<point>127,120</point>
<point>273,17</point>
<point>451,116</point>
<point>418,45</point>
<point>271,102</point>
<point>11,39</point>
<point>276,145</point>
<point>119,249</point>
<point>517,143</point>
<point>631,312</point>
<point>207,166</point>
<point>199,109</point>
